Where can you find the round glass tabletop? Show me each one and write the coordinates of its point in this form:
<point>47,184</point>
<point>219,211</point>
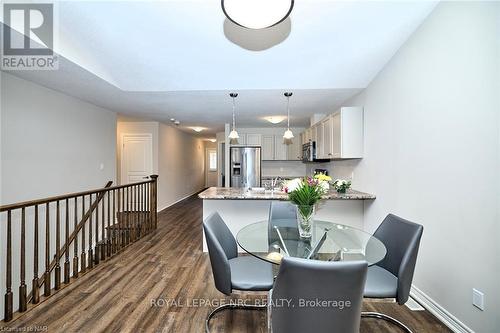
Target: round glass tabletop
<point>329,242</point>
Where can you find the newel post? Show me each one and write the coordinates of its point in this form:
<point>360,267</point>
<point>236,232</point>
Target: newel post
<point>154,200</point>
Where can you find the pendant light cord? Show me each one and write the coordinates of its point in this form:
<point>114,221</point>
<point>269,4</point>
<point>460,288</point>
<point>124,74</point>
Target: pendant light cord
<point>288,111</point>
<point>234,122</point>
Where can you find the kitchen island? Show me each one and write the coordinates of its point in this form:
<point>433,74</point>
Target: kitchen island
<point>240,207</point>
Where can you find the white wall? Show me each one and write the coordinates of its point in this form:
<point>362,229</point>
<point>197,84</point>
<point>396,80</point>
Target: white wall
<point>181,165</point>
<point>178,159</point>
<point>50,144</point>
<point>432,154</point>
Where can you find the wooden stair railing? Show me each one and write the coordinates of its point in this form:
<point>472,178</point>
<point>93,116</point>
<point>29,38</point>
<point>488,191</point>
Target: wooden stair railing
<point>63,248</point>
<point>116,217</point>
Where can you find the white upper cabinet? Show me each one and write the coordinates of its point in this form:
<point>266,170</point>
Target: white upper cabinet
<point>254,139</point>
<point>272,144</point>
<point>280,149</point>
<point>348,138</point>
<point>319,140</point>
<point>339,135</point>
<point>268,147</point>
<point>326,144</point>
<point>336,150</point>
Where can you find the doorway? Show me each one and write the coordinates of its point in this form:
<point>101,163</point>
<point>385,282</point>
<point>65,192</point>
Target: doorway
<point>136,157</point>
<point>211,167</point>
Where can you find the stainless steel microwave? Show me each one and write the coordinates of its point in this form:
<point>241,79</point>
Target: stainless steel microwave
<point>309,151</point>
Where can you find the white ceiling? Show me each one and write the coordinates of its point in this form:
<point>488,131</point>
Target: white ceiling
<point>181,58</point>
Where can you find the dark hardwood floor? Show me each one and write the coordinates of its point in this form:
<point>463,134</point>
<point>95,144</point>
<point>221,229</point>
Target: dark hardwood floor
<point>136,291</point>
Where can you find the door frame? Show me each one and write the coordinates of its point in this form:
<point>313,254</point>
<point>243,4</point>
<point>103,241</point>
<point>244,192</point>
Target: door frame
<point>122,145</point>
<point>207,165</point>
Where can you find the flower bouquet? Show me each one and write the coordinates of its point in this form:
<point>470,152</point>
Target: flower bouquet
<point>305,193</point>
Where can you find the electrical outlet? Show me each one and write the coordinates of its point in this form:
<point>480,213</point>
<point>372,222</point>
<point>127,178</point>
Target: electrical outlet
<point>478,299</point>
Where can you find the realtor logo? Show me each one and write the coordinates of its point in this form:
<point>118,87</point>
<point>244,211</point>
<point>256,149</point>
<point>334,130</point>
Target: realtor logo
<point>28,37</point>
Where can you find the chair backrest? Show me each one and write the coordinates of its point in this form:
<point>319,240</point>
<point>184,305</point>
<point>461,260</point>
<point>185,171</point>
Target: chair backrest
<point>282,210</point>
<point>324,296</point>
<point>221,247</point>
<point>281,214</point>
<point>402,240</point>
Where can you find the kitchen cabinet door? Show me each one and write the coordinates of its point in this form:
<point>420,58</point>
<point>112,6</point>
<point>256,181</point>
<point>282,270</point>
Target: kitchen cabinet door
<point>254,139</point>
<point>336,135</point>
<point>319,141</point>
<point>327,137</point>
<point>314,133</point>
<point>267,147</point>
<point>280,149</point>
<point>295,150</point>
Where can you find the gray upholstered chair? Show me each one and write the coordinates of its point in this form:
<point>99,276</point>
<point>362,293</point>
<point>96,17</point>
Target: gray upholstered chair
<point>230,271</point>
<point>282,214</point>
<point>392,277</point>
<point>308,280</point>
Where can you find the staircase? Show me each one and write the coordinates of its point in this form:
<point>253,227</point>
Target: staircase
<point>81,230</point>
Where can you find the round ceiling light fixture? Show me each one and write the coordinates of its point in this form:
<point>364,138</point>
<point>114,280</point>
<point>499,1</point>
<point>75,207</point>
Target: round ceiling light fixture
<point>257,14</point>
<point>275,119</point>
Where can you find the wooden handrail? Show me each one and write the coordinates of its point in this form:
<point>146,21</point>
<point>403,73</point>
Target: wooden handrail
<point>126,213</point>
<point>72,237</point>
<point>29,203</point>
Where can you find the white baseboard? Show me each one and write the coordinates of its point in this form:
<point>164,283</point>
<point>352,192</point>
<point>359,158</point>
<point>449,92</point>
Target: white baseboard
<point>173,203</point>
<point>439,312</point>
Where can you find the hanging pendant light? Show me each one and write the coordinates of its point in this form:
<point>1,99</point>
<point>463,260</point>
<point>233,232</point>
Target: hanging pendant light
<point>257,14</point>
<point>288,133</point>
<point>233,135</point>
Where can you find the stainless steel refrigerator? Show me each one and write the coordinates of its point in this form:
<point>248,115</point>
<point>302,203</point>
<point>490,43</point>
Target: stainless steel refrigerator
<point>245,166</point>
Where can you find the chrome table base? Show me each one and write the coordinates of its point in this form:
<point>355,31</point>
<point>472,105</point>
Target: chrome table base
<point>387,318</point>
<point>231,307</point>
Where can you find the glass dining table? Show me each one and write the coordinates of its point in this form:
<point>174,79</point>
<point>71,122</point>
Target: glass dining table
<point>329,242</point>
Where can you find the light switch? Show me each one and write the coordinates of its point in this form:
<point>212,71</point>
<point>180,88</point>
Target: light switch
<point>478,299</point>
<point>101,166</point>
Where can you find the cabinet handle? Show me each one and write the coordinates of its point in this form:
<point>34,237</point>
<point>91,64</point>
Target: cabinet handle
<point>329,154</point>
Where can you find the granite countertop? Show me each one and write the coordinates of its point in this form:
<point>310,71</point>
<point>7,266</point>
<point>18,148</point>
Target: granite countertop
<point>232,193</point>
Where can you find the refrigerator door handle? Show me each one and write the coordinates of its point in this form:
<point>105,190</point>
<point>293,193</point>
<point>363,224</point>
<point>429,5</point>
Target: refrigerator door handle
<point>244,178</point>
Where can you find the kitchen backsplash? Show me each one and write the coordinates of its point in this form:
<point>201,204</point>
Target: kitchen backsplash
<point>283,169</point>
<point>336,169</point>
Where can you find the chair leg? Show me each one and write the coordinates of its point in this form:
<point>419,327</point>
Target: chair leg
<point>230,307</point>
<point>385,317</point>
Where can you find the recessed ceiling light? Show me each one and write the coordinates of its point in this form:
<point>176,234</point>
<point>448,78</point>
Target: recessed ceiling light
<point>197,129</point>
<point>275,119</point>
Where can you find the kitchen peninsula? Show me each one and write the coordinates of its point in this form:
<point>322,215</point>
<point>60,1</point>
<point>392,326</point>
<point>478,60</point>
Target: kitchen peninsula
<point>240,207</point>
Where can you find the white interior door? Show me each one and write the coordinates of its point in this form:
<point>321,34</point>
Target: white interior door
<point>136,157</point>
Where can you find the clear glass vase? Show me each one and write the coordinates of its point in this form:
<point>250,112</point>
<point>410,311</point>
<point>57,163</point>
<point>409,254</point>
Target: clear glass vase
<point>305,220</point>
